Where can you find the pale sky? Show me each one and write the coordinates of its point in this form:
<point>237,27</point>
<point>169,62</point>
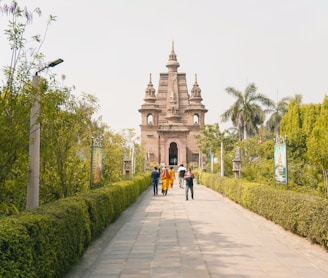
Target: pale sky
<point>110,47</point>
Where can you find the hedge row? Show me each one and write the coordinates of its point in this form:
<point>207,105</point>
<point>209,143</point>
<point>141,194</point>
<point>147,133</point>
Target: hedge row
<point>302,214</point>
<point>46,241</point>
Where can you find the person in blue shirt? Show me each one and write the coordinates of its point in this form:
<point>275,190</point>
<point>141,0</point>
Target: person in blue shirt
<point>189,178</point>
<point>154,178</point>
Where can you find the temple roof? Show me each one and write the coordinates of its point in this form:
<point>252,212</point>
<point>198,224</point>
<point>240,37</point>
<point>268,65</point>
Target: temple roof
<point>173,63</point>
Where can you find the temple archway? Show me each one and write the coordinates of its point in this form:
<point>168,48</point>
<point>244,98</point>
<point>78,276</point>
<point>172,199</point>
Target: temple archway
<point>173,154</point>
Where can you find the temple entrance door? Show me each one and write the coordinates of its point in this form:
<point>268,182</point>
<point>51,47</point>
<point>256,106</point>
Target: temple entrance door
<point>173,154</point>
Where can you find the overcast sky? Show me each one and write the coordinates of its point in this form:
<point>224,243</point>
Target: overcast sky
<point>110,47</point>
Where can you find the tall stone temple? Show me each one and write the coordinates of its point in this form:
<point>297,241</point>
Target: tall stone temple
<point>171,118</point>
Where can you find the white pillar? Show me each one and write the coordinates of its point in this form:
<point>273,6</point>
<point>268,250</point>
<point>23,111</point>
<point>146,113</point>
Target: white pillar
<point>222,160</point>
<point>32,199</point>
<point>212,162</point>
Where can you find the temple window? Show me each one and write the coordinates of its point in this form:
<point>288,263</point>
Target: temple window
<point>150,119</point>
<point>196,119</point>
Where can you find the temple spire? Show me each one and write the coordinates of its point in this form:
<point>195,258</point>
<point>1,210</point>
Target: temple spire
<point>173,63</point>
<point>150,91</point>
<point>196,91</point>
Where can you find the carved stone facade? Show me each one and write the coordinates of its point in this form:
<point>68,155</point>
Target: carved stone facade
<point>171,118</point>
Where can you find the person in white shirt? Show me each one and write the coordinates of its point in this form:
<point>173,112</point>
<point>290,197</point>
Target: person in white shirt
<point>181,172</point>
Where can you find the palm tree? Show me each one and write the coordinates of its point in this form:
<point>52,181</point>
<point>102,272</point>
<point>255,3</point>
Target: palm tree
<point>278,110</point>
<point>246,113</point>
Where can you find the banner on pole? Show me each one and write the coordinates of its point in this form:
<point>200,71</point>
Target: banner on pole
<point>96,163</point>
<point>280,163</point>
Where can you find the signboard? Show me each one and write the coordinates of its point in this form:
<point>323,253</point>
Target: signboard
<point>96,163</point>
<point>280,163</point>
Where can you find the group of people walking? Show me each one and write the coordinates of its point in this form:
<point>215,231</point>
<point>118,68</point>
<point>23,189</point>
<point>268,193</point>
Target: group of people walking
<point>167,176</point>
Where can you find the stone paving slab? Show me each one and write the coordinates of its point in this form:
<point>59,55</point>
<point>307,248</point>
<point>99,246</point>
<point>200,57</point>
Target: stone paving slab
<point>210,236</point>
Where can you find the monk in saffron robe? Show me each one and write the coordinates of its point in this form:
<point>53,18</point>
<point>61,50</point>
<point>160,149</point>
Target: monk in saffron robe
<point>172,176</point>
<point>165,176</point>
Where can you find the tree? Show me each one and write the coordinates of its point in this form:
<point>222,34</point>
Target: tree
<point>291,127</point>
<point>130,138</point>
<point>66,131</point>
<point>317,142</point>
<point>112,157</point>
<point>63,121</point>
<point>66,127</point>
<point>278,110</point>
<point>20,19</point>
<point>309,116</point>
<point>210,138</point>
<point>15,104</point>
<point>246,114</point>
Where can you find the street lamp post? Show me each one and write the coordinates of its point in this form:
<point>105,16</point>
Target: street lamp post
<point>32,199</point>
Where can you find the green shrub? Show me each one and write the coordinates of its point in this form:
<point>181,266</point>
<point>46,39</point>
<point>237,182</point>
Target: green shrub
<point>46,241</point>
<point>303,214</point>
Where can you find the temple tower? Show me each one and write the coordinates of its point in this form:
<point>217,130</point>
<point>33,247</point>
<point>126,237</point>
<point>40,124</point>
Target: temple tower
<point>171,118</point>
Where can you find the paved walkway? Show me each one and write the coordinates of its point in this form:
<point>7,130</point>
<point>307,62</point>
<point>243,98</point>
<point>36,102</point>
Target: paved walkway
<point>210,236</point>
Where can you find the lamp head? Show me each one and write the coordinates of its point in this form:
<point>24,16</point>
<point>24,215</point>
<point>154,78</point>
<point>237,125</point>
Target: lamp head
<point>55,63</point>
<point>50,65</point>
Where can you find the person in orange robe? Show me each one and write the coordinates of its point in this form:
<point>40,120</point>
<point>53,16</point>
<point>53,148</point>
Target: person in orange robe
<point>165,176</point>
<point>172,176</point>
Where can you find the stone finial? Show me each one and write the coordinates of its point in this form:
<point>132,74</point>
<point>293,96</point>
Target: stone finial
<point>173,63</point>
<point>195,91</point>
<point>150,91</point>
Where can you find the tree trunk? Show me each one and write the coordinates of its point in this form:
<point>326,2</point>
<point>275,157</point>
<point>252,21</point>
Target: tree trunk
<point>245,132</point>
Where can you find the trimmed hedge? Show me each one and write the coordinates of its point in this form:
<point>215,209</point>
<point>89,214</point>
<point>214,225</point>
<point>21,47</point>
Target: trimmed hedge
<point>46,241</point>
<point>302,214</point>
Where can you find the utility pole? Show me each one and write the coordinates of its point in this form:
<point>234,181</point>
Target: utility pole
<point>222,160</point>
<point>32,198</point>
